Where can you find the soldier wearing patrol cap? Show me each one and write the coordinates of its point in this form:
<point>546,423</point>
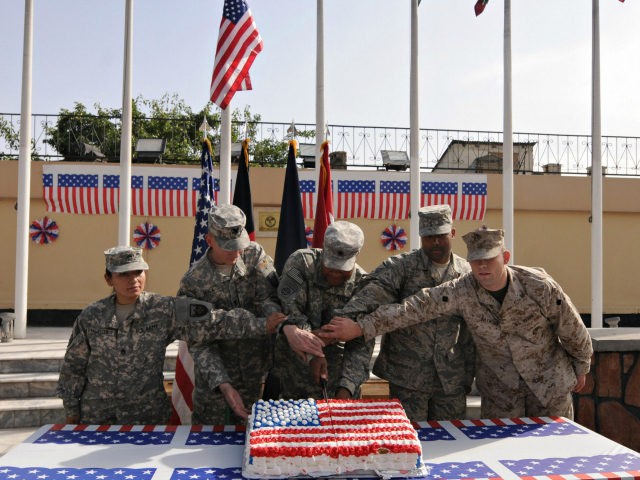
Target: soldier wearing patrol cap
<point>112,369</point>
<point>430,366</point>
<point>533,349</point>
<point>235,275</point>
<point>315,283</point>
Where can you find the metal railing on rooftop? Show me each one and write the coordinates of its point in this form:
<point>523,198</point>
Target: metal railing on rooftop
<point>440,150</point>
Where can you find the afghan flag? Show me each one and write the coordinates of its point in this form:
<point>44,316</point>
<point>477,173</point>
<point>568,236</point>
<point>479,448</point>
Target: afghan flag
<point>242,191</point>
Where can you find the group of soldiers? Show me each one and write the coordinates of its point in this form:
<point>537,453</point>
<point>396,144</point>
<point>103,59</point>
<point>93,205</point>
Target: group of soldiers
<point>444,321</point>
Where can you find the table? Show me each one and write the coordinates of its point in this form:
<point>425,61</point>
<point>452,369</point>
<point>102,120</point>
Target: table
<point>521,448</point>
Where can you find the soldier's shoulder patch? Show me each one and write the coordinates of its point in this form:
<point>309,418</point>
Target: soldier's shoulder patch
<point>290,283</point>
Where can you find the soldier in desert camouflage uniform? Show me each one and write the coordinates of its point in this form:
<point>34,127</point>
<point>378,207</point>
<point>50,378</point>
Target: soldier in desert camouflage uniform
<point>533,349</point>
<point>315,283</point>
<point>430,366</point>
<point>112,370</point>
<point>234,273</point>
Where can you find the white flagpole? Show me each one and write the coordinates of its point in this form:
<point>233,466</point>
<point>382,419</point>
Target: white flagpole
<point>596,174</point>
<point>24,179</point>
<point>320,117</point>
<point>507,138</point>
<point>414,127</point>
<point>124,212</point>
<point>224,198</point>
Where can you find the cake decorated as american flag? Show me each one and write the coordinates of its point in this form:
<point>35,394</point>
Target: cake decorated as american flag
<point>288,438</point>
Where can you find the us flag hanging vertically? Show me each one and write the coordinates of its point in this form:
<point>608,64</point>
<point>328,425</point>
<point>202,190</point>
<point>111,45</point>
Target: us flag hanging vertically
<point>238,45</point>
<point>181,394</point>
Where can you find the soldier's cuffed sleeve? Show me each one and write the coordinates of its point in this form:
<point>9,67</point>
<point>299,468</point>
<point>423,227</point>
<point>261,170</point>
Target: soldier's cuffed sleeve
<point>73,378</point>
<point>355,363</point>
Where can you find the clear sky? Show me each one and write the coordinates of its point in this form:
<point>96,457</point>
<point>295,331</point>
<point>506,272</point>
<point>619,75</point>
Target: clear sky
<point>78,47</point>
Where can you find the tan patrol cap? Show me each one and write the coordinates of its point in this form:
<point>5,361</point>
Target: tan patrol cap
<point>484,243</point>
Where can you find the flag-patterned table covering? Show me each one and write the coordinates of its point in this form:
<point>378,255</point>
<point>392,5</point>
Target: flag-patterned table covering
<point>519,448</point>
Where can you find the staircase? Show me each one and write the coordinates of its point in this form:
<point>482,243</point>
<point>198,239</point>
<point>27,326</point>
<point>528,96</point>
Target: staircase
<point>29,377</point>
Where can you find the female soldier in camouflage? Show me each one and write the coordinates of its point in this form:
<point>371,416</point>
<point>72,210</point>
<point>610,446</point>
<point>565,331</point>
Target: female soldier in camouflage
<point>112,370</point>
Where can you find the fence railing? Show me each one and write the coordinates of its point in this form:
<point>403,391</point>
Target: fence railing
<point>533,152</point>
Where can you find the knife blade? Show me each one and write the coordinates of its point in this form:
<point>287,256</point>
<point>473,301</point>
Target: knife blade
<point>323,384</point>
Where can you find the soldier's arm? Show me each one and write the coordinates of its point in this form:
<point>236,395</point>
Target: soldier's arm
<point>267,284</point>
<point>423,306</point>
<point>380,287</point>
<point>207,358</point>
<point>198,322</point>
<point>355,364</point>
<point>570,329</point>
<point>293,291</point>
<point>72,379</point>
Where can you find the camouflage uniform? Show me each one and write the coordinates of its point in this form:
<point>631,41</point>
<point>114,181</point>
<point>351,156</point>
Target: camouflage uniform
<point>534,342</point>
<point>310,302</point>
<point>112,371</point>
<point>251,287</point>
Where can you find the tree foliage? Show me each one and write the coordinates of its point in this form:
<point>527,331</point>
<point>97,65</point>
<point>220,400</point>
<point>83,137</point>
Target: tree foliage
<point>168,117</point>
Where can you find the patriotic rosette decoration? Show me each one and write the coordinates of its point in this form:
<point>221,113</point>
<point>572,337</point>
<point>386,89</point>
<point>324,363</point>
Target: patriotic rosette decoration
<point>393,237</point>
<point>44,231</point>
<point>308,232</point>
<point>147,235</point>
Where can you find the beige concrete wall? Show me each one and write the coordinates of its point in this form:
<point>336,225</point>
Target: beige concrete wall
<point>552,230</point>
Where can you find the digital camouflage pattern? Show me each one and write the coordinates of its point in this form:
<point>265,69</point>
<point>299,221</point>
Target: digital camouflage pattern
<point>434,220</point>
<point>484,243</point>
<point>536,336</point>
<point>112,371</point>
<point>251,287</point>
<point>427,364</point>
<point>310,302</point>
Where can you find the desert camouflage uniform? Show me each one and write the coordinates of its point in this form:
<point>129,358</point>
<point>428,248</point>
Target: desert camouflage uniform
<point>112,371</point>
<point>243,363</point>
<point>533,345</point>
<point>429,366</point>
<point>310,302</point>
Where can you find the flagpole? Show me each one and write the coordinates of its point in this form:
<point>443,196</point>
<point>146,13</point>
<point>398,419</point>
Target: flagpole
<point>124,212</point>
<point>320,117</point>
<point>596,174</point>
<point>24,179</point>
<point>224,197</point>
<point>507,138</point>
<point>414,135</point>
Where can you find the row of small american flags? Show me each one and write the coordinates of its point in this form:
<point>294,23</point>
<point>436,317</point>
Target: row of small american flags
<point>173,192</point>
<point>549,448</point>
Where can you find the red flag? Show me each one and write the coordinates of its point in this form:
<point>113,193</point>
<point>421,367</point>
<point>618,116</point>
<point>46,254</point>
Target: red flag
<point>242,190</point>
<point>324,207</point>
<point>238,45</point>
<point>480,4</point>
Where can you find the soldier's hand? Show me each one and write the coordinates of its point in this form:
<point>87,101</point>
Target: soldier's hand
<point>234,400</point>
<point>582,381</point>
<point>318,366</point>
<point>302,342</point>
<point>343,394</point>
<point>325,341</point>
<point>340,328</point>
<point>273,320</point>
<point>73,419</point>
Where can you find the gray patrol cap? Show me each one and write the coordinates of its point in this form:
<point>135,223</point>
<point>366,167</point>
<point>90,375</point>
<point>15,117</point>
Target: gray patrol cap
<point>484,243</point>
<point>124,259</point>
<point>435,220</point>
<point>226,225</point>
<point>342,243</point>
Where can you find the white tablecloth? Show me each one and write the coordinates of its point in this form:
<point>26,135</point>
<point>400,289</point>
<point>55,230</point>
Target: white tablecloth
<point>523,448</point>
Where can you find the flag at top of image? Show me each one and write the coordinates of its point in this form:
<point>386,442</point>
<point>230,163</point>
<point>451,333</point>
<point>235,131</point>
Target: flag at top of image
<point>238,45</point>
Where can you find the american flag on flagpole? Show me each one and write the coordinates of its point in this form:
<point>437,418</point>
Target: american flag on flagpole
<point>238,45</point>
<point>184,380</point>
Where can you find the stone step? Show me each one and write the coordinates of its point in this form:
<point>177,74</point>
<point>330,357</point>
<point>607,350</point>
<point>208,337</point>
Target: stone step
<point>30,412</point>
